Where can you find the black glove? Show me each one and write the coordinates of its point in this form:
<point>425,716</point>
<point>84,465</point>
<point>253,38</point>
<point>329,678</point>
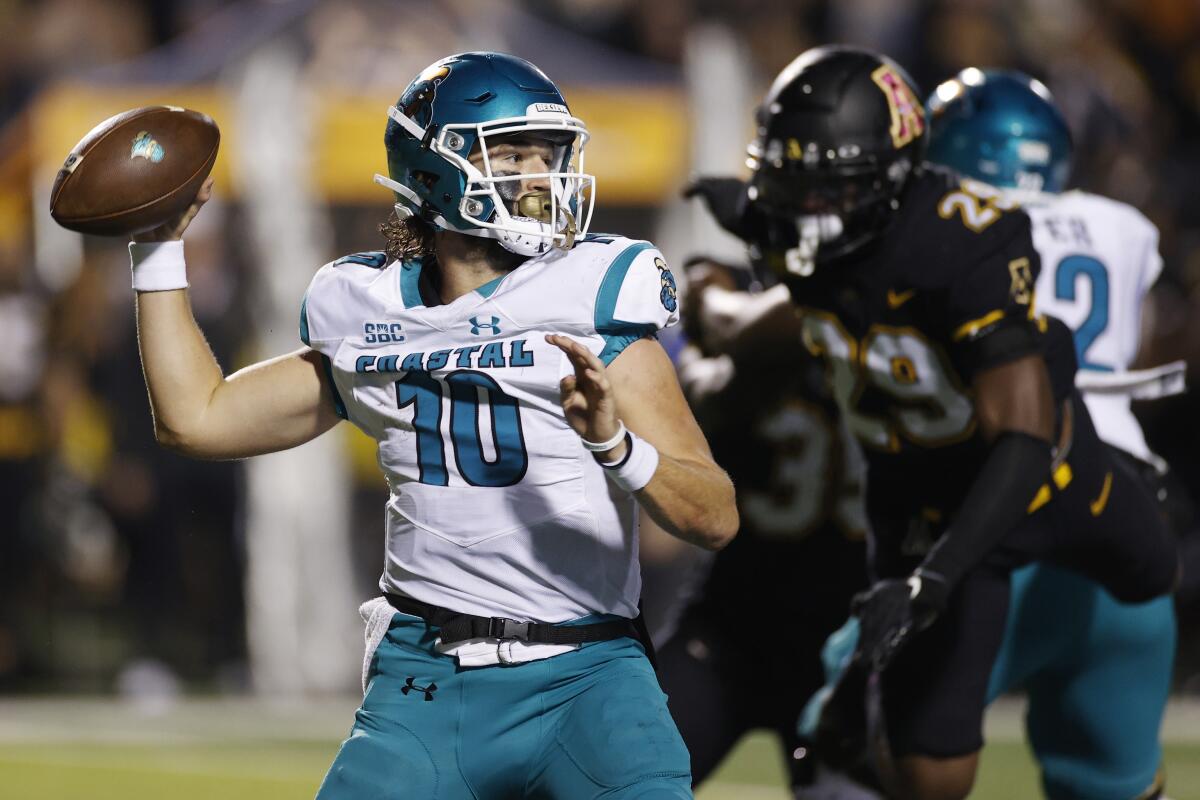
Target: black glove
<point>730,206</point>
<point>892,611</point>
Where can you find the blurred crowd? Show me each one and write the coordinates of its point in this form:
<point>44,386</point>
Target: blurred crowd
<point>122,565</point>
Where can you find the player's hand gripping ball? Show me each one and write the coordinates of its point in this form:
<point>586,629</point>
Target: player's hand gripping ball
<point>135,171</point>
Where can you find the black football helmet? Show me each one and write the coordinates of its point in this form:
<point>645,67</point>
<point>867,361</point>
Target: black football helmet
<point>840,134</point>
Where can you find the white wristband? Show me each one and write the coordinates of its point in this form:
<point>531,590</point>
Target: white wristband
<point>636,469</point>
<point>157,266</point>
<point>600,447</point>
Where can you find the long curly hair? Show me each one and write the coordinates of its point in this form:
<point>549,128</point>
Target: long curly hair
<point>407,239</point>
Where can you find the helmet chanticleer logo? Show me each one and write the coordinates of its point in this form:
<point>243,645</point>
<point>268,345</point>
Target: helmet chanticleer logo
<point>417,103</point>
<point>908,114</point>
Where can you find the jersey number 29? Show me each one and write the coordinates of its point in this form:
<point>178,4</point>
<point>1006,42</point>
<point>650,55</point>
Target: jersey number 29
<point>924,402</point>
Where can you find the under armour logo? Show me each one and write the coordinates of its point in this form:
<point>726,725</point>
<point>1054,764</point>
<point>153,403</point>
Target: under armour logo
<point>411,686</point>
<point>477,326</point>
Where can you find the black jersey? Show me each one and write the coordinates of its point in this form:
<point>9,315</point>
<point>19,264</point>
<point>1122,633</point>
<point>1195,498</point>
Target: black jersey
<point>947,291</point>
<point>773,427</point>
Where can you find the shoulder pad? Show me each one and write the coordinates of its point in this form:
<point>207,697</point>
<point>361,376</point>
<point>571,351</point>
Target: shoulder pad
<point>340,295</point>
<point>953,225</point>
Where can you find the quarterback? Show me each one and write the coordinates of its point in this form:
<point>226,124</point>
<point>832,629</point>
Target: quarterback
<point>506,363</point>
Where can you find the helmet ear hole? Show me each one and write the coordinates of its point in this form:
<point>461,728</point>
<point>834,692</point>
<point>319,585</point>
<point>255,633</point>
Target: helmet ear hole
<point>426,179</point>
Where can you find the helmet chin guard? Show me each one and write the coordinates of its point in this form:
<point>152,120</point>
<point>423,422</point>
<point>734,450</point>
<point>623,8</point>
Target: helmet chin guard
<point>460,106</point>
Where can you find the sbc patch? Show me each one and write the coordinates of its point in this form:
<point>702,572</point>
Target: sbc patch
<point>667,296</point>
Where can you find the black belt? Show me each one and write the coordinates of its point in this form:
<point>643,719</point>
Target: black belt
<point>456,627</point>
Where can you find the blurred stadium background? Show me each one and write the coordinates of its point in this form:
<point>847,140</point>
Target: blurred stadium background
<point>171,627</point>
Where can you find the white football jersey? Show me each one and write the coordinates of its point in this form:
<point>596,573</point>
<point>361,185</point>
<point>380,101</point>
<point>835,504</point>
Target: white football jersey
<point>495,509</point>
<point>1099,259</point>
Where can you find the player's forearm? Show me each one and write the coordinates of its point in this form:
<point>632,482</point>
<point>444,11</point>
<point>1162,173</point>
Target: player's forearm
<point>270,406</point>
<point>182,375</point>
<point>693,501</point>
<point>1015,409</point>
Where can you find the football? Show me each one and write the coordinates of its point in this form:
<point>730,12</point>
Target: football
<point>135,171</point>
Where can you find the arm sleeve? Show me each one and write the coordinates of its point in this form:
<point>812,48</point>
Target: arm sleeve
<point>990,316</point>
<point>637,297</point>
<point>998,499</point>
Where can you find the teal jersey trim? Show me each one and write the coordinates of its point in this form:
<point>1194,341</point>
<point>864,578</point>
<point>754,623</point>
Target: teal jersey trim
<point>410,286</point>
<point>615,345</point>
<point>375,259</point>
<point>338,406</point>
<point>488,288</point>
<point>610,290</point>
<point>304,320</point>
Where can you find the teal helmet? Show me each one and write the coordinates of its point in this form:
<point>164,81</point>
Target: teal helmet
<point>1000,127</point>
<point>461,105</point>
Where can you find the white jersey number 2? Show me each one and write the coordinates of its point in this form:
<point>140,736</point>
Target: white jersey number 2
<point>1067,276</point>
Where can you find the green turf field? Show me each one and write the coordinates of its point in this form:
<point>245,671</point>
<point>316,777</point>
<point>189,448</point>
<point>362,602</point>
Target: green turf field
<point>253,751</point>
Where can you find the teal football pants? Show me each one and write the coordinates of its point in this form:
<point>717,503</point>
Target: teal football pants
<point>591,723</point>
<point>1097,672</point>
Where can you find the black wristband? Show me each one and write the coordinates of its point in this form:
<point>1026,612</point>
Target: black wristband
<point>624,458</point>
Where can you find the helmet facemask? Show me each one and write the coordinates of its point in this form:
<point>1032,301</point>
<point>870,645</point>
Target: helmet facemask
<point>835,211</point>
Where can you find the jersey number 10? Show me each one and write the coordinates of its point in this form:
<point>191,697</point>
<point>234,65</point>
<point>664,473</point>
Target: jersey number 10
<point>466,388</point>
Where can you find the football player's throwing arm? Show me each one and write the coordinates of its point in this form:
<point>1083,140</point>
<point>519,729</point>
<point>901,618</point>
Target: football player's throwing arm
<point>272,405</point>
<point>687,494</point>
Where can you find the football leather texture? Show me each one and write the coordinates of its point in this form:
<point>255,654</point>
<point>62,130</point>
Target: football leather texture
<point>135,171</point>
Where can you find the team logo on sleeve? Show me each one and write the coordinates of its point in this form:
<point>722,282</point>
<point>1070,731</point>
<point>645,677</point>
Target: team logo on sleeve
<point>908,115</point>
<point>1022,281</point>
<point>669,290</point>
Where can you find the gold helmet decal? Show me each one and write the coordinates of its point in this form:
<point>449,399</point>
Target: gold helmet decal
<point>908,115</point>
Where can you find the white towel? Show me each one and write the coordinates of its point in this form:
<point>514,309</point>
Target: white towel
<point>377,614</point>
